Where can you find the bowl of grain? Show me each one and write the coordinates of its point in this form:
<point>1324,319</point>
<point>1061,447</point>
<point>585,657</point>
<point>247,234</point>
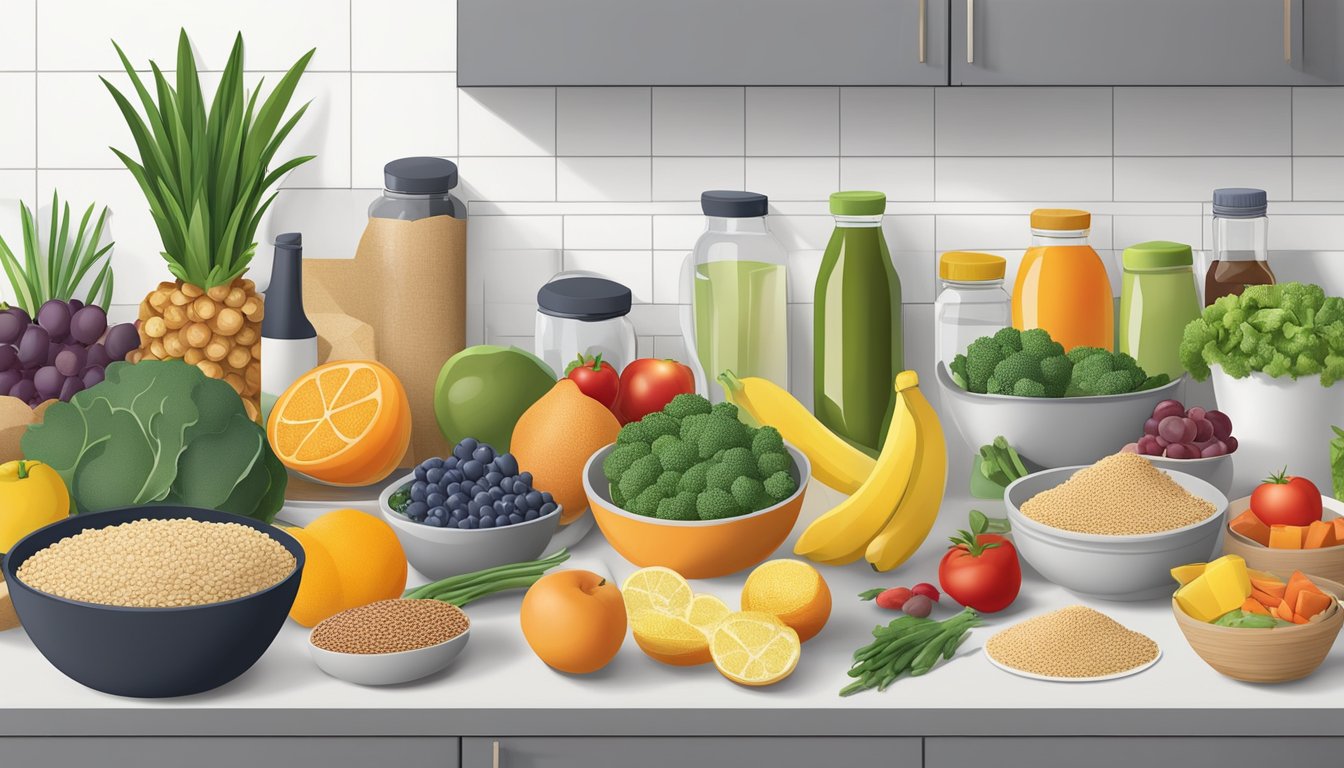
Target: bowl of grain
<point>1115,529</point>
<point>390,641</point>
<point>154,601</point>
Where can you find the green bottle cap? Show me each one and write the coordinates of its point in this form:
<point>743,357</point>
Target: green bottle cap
<point>857,203</point>
<point>1157,254</point>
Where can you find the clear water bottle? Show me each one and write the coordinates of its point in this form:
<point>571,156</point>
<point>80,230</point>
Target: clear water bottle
<point>971,303</point>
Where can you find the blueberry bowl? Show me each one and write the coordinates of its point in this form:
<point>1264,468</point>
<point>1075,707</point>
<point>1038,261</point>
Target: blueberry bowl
<point>150,652</point>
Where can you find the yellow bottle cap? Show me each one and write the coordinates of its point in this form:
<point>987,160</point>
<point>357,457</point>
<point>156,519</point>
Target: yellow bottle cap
<point>970,266</point>
<point>1060,219</point>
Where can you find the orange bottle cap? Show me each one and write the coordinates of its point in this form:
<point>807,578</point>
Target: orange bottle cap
<point>1060,219</point>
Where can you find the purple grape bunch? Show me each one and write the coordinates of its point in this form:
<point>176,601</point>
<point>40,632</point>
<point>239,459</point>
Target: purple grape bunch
<point>1176,432</point>
<point>63,352</point>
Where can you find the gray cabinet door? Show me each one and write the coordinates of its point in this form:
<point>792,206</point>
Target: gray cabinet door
<point>229,752</point>
<point>701,42</point>
<point>1147,42</point>
<point>1127,752</point>
<point>699,752</point>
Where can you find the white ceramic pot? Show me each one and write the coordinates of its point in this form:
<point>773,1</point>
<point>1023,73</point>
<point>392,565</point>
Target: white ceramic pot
<point>1279,423</point>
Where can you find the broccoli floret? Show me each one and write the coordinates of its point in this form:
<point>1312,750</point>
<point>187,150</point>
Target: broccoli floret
<point>749,494</point>
<point>618,498</point>
<point>673,454</point>
<point>693,480</point>
<point>692,426</point>
<point>725,410</point>
<point>1055,373</point>
<point>646,503</point>
<point>1010,339</point>
<point>1153,382</point>
<point>657,424</point>
<point>719,434</point>
<point>981,358</point>
<point>780,486</point>
<point>642,474</point>
<point>632,433</point>
<point>686,405</point>
<point>766,440</point>
<point>958,370</point>
<point>679,507</point>
<point>1037,343</point>
<point>620,459</point>
<point>1018,366</point>
<point>741,461</point>
<point>720,476</point>
<point>716,504</point>
<point>1028,388</point>
<point>768,464</point>
<point>1102,373</point>
<point>1078,354</point>
<point>667,482</point>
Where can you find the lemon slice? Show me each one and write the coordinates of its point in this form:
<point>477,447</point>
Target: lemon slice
<point>670,639</point>
<point>754,648</point>
<point>706,613</point>
<point>658,589</point>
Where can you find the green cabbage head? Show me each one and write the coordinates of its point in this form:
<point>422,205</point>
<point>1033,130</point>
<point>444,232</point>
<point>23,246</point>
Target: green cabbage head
<point>159,432</point>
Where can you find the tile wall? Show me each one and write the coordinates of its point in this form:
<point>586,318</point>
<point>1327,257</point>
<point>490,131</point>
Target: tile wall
<point>608,179</point>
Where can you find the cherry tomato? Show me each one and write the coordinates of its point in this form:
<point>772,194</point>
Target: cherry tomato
<point>1286,500</point>
<point>595,378</point>
<point>648,384</point>
<point>984,575</point>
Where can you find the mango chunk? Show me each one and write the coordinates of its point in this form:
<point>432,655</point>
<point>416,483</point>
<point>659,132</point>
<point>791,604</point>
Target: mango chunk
<point>1224,586</point>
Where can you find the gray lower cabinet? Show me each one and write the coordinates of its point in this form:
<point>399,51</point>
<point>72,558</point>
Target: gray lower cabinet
<point>1130,751</point>
<point>228,752</point>
<point>701,42</point>
<point>697,752</point>
<point>1147,42</point>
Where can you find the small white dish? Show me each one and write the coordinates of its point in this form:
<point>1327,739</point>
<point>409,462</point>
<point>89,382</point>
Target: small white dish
<point>388,668</point>
<point>1049,679</point>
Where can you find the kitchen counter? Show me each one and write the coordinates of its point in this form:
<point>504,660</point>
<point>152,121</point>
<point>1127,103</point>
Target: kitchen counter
<point>499,688</point>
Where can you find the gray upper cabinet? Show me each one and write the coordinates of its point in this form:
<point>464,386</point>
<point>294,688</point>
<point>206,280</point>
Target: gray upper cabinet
<point>1147,42</point>
<point>702,42</point>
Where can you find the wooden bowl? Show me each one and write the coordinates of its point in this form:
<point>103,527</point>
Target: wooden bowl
<point>1327,563</point>
<point>1266,655</point>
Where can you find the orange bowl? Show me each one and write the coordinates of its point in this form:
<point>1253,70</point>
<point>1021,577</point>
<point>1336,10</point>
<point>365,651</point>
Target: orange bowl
<point>697,549</point>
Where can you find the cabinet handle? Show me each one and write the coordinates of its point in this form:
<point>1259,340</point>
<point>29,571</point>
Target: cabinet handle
<point>970,31</point>
<point>494,759</point>
<point>923,28</point>
<point>1288,31</point>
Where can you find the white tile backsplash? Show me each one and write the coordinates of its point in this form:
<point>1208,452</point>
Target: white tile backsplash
<point>902,178</point>
<point>1023,121</point>
<point>633,269</point>
<point>981,179</point>
<point>1317,116</point>
<point>793,121</point>
<point>602,121</point>
<point>1195,178</point>
<point>886,121</point>
<point>603,178</point>
<point>506,122</point>
<point>684,178</point>
<point>18,134</point>
<point>400,115</point>
<point>384,42</point>
<point>1203,121</point>
<point>794,178</point>
<point>506,178</point>
<point>699,121</point>
<point>18,44</point>
<point>606,232</point>
<point>1318,178</point>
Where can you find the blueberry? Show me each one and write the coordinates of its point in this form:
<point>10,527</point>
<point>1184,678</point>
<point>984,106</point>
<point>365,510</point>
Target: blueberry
<point>467,489</point>
<point>459,514</point>
<point>483,498</point>
<point>515,518</point>
<point>483,453</point>
<point>463,450</point>
<point>454,475</point>
<point>439,511</point>
<point>509,497</point>
<point>493,478</point>
<point>501,521</point>
<point>473,470</point>
<point>420,473</point>
<point>464,524</point>
<point>450,463</point>
<point>519,487</point>
<point>548,508</point>
<point>487,522</point>
<point>418,490</point>
<point>473,508</point>
<point>534,500</point>
<point>434,521</point>
<point>496,493</point>
<point>416,509</point>
<point>458,500</point>
<point>434,475</point>
<point>473,522</point>
<point>526,477</point>
<point>434,463</point>
<point>505,507</point>
<point>531,514</point>
<point>546,497</point>
<point>452,488</point>
<point>506,464</point>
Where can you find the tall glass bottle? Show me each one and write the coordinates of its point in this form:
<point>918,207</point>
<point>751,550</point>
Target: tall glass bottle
<point>1240,243</point>
<point>857,349</point>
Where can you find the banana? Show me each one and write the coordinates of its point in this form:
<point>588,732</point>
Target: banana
<point>914,516</point>
<point>834,461</point>
<point>841,535</point>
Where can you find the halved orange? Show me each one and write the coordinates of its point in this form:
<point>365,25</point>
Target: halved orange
<point>343,423</point>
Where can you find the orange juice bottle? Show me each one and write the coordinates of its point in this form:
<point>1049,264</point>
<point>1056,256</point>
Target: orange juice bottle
<point>1062,284</point>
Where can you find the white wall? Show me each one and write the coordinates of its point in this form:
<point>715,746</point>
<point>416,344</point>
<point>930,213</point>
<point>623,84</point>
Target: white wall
<point>609,179</point>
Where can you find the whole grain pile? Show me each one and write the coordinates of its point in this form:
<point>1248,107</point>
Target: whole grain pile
<point>159,564</point>
<point>1071,642</point>
<point>1121,495</point>
<point>390,626</point>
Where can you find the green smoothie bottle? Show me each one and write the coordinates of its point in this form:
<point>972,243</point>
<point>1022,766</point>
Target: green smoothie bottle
<point>856,324</point>
<point>1158,296</point>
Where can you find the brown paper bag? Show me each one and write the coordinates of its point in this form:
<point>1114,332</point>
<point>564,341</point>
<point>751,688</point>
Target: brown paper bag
<point>401,301</point>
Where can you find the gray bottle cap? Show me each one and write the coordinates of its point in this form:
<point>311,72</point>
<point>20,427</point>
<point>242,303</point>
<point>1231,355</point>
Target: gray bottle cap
<point>584,298</point>
<point>420,175</point>
<point>1239,203</point>
<point>731,204</point>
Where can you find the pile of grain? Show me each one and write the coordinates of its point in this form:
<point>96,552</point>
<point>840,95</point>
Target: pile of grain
<point>390,626</point>
<point>1071,642</point>
<point>1121,495</point>
<point>159,564</point>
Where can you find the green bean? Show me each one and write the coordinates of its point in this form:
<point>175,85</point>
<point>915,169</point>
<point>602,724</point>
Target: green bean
<point>907,645</point>
<point>465,581</point>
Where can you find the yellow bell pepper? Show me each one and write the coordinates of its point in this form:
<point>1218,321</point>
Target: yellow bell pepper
<point>32,495</point>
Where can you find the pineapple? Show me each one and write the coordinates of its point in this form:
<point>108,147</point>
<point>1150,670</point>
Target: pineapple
<point>206,174</point>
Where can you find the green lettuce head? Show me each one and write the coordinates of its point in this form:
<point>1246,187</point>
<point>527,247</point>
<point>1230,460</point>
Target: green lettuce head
<point>159,432</point>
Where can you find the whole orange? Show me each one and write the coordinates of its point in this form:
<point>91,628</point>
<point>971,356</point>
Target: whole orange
<point>574,620</point>
<point>555,437</point>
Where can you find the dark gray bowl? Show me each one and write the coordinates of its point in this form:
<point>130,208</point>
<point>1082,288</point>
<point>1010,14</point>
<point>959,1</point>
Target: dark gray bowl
<point>150,652</point>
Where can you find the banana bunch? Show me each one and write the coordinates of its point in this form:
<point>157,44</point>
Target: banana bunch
<point>893,501</point>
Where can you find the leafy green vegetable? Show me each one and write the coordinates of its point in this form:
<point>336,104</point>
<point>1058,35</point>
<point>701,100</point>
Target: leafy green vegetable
<point>159,432</point>
<point>1290,329</point>
<point>1337,462</point>
<point>59,273</point>
<point>1242,620</point>
<point>996,466</point>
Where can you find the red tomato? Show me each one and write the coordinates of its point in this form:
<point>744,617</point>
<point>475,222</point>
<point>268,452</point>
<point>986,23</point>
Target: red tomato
<point>648,384</point>
<point>1286,500</point>
<point>980,576</point>
<point>595,378</point>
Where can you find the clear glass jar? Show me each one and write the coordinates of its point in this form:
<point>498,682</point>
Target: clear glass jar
<point>735,313</point>
<point>584,314</point>
<point>417,188</point>
<point>971,303</point>
<point>1240,255</point>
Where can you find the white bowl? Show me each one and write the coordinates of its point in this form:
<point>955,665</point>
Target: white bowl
<point>438,553</point>
<point>388,668</point>
<point>1279,423</point>
<point>1112,567</point>
<point>1051,431</point>
<point>1215,470</point>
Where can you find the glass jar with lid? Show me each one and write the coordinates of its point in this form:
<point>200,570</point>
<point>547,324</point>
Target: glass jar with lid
<point>1062,285</point>
<point>1157,299</point>
<point>971,303</point>
<point>584,314</point>
<point>1240,254</point>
